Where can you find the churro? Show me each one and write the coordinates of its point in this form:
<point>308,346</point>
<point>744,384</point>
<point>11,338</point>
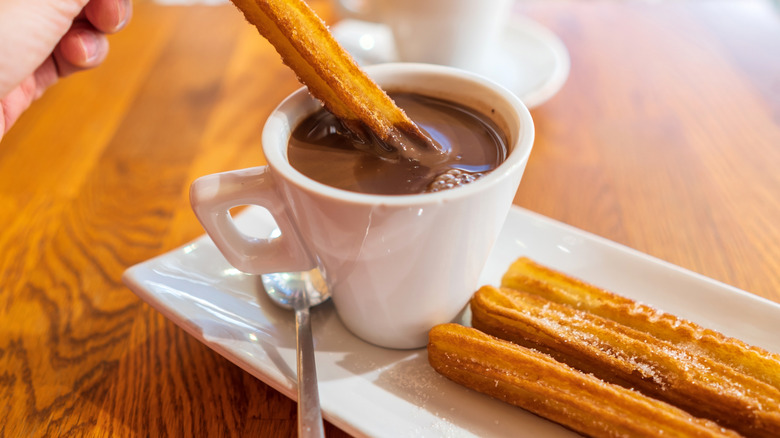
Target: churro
<point>540,384</point>
<point>616,353</point>
<point>526,275</point>
<point>333,77</point>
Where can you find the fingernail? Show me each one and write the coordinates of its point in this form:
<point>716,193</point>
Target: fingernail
<point>123,14</point>
<point>89,45</point>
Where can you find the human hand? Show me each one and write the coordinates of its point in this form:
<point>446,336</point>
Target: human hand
<point>43,40</point>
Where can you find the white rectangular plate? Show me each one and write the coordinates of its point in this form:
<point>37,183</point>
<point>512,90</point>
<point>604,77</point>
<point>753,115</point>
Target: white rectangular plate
<point>367,390</point>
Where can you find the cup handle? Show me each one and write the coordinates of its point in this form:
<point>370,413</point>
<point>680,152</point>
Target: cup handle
<point>213,196</point>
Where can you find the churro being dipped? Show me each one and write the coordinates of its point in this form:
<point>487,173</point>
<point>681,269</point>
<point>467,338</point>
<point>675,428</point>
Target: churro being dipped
<point>333,77</point>
<point>632,358</point>
<point>539,384</point>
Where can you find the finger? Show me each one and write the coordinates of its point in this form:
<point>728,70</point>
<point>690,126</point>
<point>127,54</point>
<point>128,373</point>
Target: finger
<point>16,102</point>
<point>81,48</point>
<point>45,76</point>
<point>108,16</point>
<point>20,98</point>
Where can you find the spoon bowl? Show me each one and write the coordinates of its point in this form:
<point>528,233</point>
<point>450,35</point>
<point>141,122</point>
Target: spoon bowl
<point>299,291</point>
<point>285,288</point>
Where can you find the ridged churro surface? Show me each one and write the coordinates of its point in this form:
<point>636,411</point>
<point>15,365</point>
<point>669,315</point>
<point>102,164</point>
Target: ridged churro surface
<point>526,275</point>
<point>330,73</point>
<point>652,357</point>
<point>546,387</point>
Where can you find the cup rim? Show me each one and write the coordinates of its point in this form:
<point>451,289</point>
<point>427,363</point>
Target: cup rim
<point>279,125</point>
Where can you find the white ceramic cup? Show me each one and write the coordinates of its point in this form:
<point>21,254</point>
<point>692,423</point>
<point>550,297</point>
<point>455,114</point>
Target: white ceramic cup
<point>458,33</point>
<point>395,265</point>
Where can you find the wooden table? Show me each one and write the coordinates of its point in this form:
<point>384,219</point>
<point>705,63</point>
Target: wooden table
<point>666,138</point>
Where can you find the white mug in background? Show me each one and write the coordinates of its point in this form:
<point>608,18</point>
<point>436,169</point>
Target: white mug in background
<point>395,265</point>
<point>458,33</point>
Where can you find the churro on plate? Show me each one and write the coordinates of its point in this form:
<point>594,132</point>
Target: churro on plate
<point>526,275</point>
<point>635,346</point>
<point>540,384</point>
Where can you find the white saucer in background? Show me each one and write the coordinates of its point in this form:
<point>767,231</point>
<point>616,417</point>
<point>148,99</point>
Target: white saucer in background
<point>369,43</point>
<point>531,61</point>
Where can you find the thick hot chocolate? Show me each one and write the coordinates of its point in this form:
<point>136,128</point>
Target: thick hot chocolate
<point>322,149</point>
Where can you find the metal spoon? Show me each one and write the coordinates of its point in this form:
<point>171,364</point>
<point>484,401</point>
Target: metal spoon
<point>300,291</point>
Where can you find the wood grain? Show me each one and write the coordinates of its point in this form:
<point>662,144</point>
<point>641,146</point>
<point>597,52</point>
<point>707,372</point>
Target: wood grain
<point>665,138</point>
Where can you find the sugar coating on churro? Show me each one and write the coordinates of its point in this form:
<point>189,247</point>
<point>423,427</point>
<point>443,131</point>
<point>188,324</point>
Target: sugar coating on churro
<point>332,75</point>
<point>546,387</point>
<point>634,345</point>
<point>526,275</point>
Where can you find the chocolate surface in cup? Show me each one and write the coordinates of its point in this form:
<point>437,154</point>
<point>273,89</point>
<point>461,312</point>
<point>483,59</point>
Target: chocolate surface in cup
<point>322,149</point>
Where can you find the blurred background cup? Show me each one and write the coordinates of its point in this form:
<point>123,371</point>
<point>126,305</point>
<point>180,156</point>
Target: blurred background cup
<point>457,33</point>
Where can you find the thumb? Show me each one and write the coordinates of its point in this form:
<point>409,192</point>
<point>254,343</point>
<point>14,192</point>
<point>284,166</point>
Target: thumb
<point>29,32</point>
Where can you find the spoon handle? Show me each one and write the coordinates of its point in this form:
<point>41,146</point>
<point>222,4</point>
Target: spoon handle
<point>309,414</point>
